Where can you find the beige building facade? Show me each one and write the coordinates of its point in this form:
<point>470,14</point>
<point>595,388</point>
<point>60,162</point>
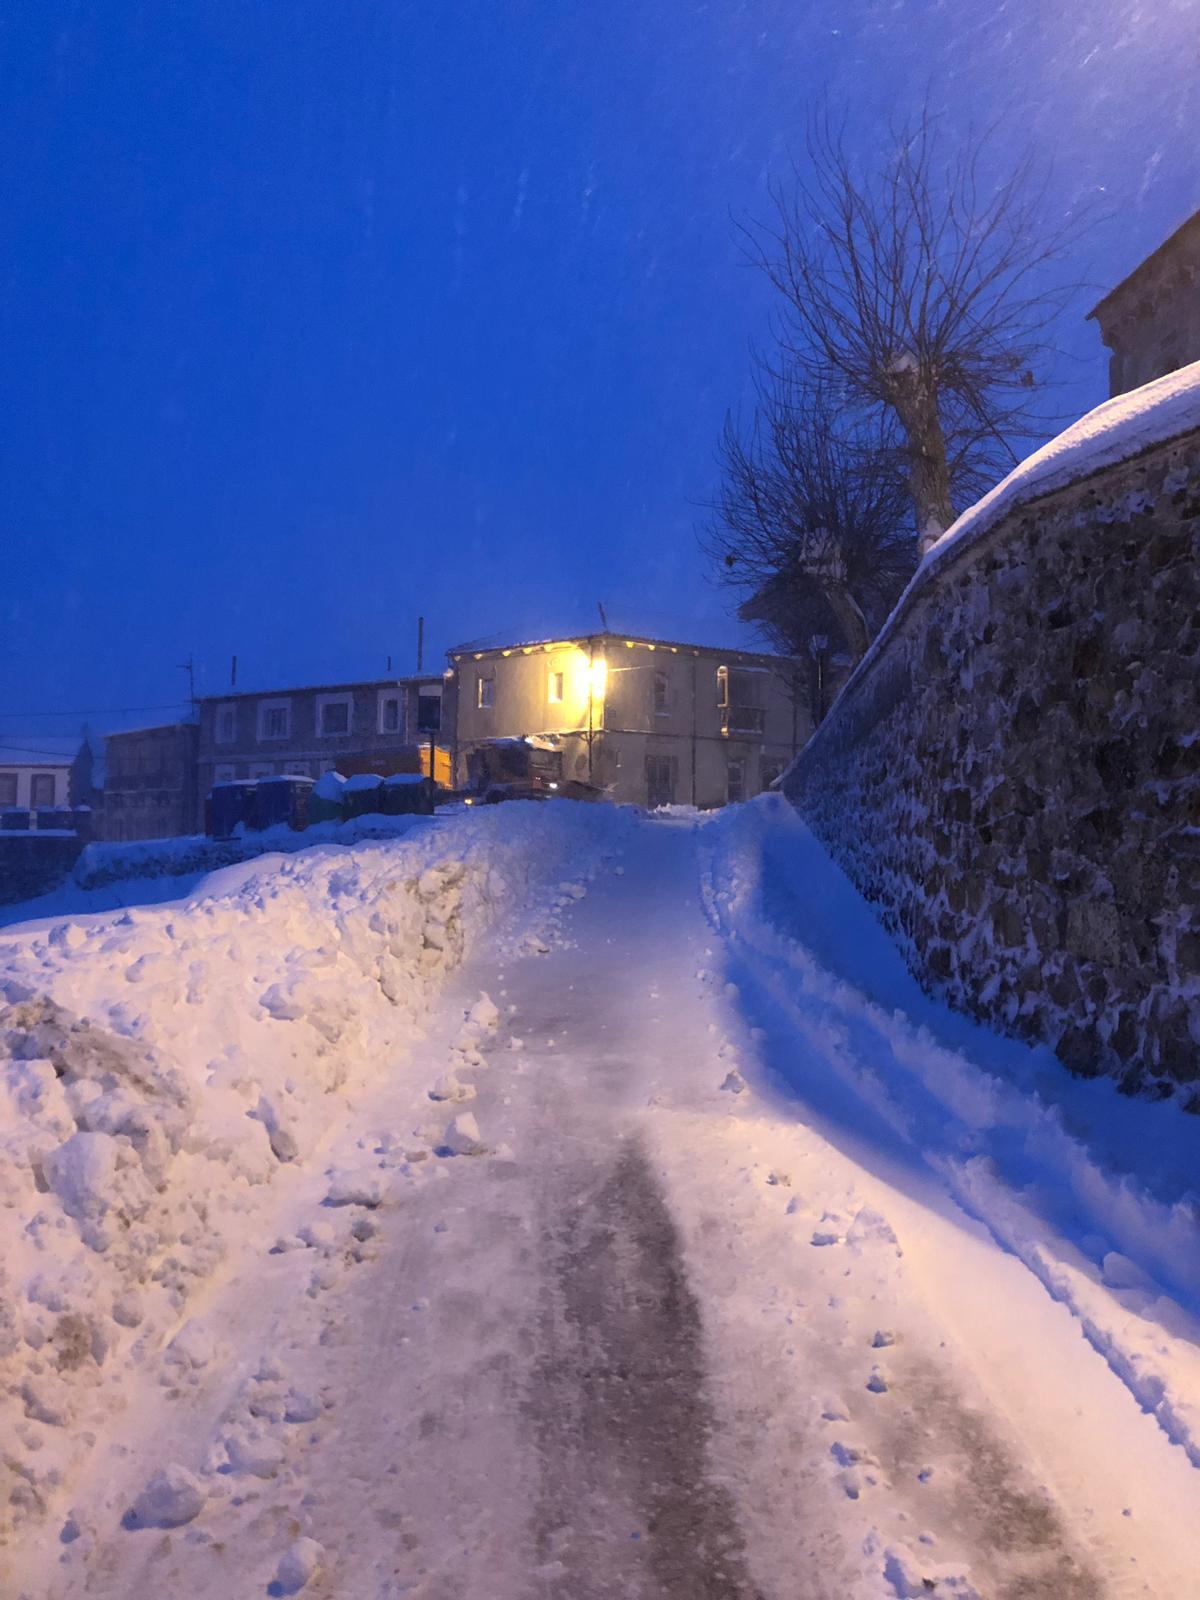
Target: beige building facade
<point>1151,320</point>
<point>652,722</point>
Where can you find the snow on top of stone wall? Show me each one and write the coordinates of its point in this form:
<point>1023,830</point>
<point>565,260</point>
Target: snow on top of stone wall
<point>1115,431</point>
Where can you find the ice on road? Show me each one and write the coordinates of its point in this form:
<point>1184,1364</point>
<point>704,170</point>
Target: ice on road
<point>636,1229</point>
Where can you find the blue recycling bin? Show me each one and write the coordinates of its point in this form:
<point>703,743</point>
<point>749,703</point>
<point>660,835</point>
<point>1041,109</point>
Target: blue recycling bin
<point>231,805</point>
<point>55,818</point>
<point>283,800</point>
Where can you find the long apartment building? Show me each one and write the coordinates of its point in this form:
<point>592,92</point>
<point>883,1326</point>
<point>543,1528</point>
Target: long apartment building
<point>652,721</point>
<point>371,726</point>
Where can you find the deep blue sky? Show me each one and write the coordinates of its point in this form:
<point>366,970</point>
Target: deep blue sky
<point>318,314</point>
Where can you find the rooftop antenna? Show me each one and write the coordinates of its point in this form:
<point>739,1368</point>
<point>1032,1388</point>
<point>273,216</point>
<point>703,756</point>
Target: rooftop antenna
<point>420,644</point>
<point>189,666</point>
<point>389,666</point>
<point>603,618</point>
<point>233,673</point>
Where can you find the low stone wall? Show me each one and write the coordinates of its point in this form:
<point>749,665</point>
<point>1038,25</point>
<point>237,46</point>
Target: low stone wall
<point>1013,776</point>
<point>33,863</point>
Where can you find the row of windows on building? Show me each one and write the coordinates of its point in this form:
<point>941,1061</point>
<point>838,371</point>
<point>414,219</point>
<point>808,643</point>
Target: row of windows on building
<point>334,718</point>
<point>41,790</point>
<point>743,690</point>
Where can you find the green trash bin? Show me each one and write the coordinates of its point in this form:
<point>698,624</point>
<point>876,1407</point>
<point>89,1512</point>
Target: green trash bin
<point>326,799</point>
<point>363,795</point>
<point>407,794</point>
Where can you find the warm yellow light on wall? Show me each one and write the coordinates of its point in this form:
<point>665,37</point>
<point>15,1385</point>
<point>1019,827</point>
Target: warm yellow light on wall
<point>598,677</point>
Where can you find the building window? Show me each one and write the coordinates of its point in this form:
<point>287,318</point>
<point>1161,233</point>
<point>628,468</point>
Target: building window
<point>226,725</point>
<point>333,715</point>
<point>41,790</point>
<point>274,719</point>
<point>262,769</point>
<point>740,695</point>
<point>772,771</point>
<point>223,772</point>
<point>662,690</point>
<point>660,781</point>
<point>8,789</point>
<point>485,691</point>
<point>735,780</point>
<point>555,691</point>
<point>429,708</point>
<point>389,712</point>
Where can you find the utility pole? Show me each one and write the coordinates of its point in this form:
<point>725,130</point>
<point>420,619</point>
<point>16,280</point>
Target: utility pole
<point>189,666</point>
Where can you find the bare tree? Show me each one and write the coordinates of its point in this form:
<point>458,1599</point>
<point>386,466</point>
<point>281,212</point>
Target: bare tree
<point>923,291</point>
<point>810,519</point>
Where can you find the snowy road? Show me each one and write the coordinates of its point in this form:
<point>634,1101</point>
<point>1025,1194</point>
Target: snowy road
<point>755,1276</point>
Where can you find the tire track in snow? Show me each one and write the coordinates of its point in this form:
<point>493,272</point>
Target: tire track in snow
<point>628,1505</point>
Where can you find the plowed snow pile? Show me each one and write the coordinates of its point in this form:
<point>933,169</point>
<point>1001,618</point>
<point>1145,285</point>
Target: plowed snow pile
<point>160,1067</point>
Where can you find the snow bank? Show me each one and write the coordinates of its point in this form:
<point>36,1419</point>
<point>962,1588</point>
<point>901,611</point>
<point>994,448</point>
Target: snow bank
<point>147,858</point>
<point>1097,1194</point>
<point>161,1066</point>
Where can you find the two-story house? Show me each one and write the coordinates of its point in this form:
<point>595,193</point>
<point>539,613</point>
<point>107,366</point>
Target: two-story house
<point>381,725</point>
<point>652,721</point>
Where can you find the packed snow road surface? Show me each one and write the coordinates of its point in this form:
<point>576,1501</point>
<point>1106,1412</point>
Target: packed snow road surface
<point>558,1203</point>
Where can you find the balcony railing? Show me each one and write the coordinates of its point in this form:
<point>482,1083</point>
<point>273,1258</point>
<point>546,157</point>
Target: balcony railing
<point>742,719</point>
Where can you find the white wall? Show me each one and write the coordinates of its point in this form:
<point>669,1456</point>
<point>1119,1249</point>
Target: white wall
<point>25,776</point>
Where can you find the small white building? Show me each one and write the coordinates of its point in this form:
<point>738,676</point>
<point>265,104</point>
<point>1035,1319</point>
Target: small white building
<point>36,779</point>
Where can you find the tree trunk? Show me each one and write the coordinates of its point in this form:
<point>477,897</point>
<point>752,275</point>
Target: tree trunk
<point>915,403</point>
<point>850,619</point>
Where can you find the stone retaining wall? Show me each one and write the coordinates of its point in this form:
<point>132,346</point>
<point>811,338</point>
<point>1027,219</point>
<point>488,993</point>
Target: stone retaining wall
<point>1013,776</point>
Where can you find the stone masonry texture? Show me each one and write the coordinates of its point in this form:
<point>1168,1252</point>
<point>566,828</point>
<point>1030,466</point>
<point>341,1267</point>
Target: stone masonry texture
<point>1014,778</point>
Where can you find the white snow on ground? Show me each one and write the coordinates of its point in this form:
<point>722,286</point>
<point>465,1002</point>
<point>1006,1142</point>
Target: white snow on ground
<point>282,1328</point>
<point>1098,1194</point>
<point>162,1067</point>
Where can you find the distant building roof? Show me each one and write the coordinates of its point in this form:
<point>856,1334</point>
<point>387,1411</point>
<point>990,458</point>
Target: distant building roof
<point>620,622</point>
<point>1186,233</point>
<point>153,727</point>
<point>258,691</point>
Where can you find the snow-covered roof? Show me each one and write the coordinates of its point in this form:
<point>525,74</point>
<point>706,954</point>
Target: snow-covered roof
<point>1116,431</point>
<point>620,622</point>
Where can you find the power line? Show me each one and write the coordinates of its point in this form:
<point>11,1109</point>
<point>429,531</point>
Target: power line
<point>32,750</point>
<point>107,711</point>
